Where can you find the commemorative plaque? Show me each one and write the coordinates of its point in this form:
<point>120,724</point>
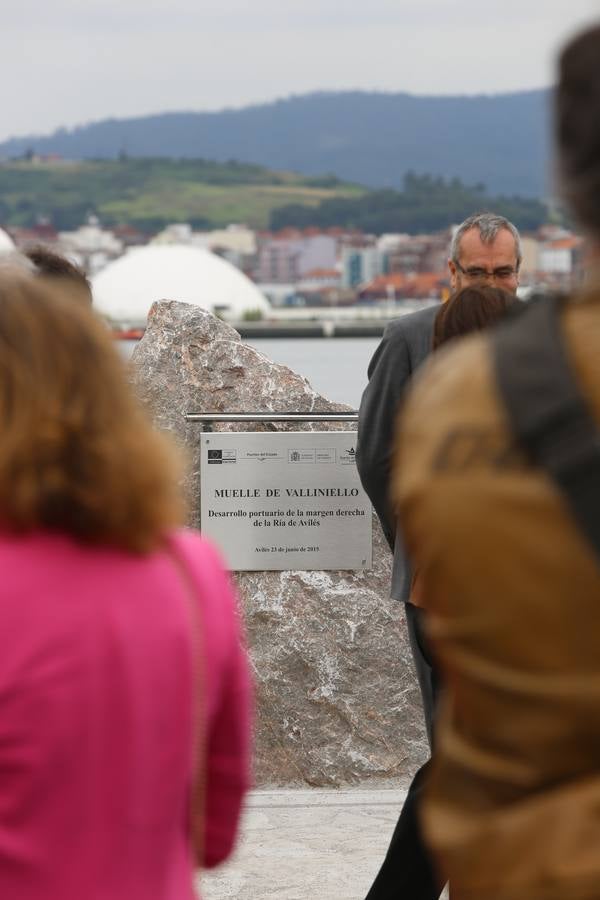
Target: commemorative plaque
<point>286,500</point>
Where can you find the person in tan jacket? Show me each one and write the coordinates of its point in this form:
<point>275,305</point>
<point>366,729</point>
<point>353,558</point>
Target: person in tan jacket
<point>512,589</point>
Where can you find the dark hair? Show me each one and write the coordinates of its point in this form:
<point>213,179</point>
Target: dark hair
<point>577,127</point>
<point>77,455</point>
<point>470,309</point>
<point>51,265</point>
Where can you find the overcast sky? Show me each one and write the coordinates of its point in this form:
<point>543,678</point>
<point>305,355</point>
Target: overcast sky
<point>75,61</point>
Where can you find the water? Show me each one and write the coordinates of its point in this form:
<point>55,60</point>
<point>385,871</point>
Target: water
<point>335,367</point>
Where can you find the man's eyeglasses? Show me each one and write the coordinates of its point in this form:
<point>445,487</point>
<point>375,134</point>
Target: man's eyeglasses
<point>502,273</point>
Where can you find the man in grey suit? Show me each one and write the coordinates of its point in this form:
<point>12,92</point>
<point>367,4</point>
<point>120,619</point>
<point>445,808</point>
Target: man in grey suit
<point>485,247</point>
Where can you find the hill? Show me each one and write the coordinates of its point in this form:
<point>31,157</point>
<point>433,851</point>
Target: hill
<point>367,138</point>
<point>425,204</point>
<point>151,193</point>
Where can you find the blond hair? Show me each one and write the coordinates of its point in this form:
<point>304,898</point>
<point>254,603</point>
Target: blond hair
<point>77,453</point>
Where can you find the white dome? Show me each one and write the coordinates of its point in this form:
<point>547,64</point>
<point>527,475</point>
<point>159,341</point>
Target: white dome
<point>127,288</point>
<point>7,245</point>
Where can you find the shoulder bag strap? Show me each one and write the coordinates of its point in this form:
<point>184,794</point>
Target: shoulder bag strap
<point>549,415</point>
<point>198,793</point>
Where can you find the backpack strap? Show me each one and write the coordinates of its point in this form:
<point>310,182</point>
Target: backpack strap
<point>197,797</point>
<point>549,416</point>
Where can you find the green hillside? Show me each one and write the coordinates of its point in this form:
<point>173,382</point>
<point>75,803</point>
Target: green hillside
<point>150,193</point>
<point>424,205</point>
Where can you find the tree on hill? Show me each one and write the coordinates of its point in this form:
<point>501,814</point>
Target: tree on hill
<point>425,204</point>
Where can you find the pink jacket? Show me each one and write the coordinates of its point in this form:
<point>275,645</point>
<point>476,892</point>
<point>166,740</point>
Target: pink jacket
<point>95,719</point>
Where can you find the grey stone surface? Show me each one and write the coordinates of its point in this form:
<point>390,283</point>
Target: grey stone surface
<point>294,845</point>
<point>337,701</point>
<point>300,844</point>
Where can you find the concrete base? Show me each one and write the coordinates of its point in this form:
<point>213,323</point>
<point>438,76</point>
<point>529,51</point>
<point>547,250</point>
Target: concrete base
<point>301,844</point>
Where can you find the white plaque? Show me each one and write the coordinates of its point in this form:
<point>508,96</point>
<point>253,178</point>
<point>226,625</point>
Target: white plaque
<point>286,500</point>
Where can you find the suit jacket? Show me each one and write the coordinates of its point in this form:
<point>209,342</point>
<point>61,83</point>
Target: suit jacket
<point>405,344</point>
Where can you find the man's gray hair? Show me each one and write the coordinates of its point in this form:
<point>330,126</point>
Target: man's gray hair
<point>488,224</point>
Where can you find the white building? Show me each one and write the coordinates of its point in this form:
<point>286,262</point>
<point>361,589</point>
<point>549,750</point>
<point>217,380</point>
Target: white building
<point>175,233</point>
<point>237,238</point>
<point>360,265</point>
<point>558,257</point>
<point>7,245</point>
<point>286,260</point>
<point>91,246</point>
<point>126,289</point>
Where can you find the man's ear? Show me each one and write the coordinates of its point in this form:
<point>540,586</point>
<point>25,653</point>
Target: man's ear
<point>453,274</point>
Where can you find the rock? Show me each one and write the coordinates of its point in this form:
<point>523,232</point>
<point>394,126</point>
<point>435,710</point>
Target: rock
<point>337,701</point>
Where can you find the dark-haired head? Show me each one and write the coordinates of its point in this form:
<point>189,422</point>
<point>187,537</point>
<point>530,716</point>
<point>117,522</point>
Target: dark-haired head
<point>577,127</point>
<point>53,266</point>
<point>471,309</point>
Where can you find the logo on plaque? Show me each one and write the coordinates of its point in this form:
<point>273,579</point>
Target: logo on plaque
<point>348,456</point>
<point>302,456</point>
<point>218,457</point>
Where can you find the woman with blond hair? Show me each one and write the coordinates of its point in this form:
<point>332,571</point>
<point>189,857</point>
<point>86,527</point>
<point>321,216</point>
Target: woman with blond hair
<point>124,710</point>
